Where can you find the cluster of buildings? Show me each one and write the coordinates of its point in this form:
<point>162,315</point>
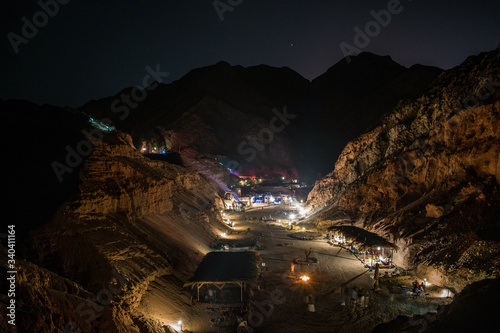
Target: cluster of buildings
<point>234,201</point>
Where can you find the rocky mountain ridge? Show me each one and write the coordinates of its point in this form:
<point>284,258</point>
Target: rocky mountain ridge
<point>229,110</point>
<point>428,176</point>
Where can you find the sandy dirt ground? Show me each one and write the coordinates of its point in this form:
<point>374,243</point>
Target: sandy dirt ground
<point>280,304</point>
<point>278,301</point>
<point>335,267</point>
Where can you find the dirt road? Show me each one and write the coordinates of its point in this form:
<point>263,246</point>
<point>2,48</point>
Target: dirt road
<point>335,267</point>
<point>280,304</point>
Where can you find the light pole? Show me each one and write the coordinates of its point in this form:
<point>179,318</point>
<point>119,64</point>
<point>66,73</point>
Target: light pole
<point>376,285</point>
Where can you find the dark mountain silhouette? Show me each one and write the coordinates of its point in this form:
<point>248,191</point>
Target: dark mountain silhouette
<point>212,110</point>
<point>36,137</point>
<point>350,98</point>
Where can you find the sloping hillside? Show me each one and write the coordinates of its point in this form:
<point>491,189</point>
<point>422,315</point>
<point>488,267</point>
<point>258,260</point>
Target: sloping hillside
<point>132,221</point>
<point>217,110</point>
<point>428,177</point>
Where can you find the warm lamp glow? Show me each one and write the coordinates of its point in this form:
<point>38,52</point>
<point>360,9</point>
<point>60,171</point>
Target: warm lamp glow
<point>445,293</point>
<point>303,211</point>
<point>305,278</point>
<point>177,327</point>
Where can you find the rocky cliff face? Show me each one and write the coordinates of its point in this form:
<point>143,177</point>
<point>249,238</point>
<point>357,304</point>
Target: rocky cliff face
<point>132,221</point>
<point>350,98</point>
<point>428,177</point>
<point>470,309</point>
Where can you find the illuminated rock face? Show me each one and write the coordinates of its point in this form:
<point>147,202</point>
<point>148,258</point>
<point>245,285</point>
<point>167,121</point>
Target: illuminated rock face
<point>429,176</point>
<point>132,221</point>
<point>434,211</point>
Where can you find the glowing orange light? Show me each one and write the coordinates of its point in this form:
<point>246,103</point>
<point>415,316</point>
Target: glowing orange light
<point>305,278</point>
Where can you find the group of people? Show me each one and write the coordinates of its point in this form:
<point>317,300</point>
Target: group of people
<point>354,296</point>
<point>418,287</point>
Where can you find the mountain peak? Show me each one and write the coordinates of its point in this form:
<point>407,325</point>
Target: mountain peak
<point>362,65</point>
<point>368,59</point>
<point>222,63</point>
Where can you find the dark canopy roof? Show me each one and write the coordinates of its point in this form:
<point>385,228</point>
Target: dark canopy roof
<point>226,267</point>
<point>365,239</point>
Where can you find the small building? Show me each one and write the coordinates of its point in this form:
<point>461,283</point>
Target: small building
<point>374,247</point>
<point>223,277</point>
<point>246,201</point>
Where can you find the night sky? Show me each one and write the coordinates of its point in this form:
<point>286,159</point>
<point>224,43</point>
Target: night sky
<point>92,49</point>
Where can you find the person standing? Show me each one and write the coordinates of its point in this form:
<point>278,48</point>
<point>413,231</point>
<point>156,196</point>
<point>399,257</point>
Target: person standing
<point>361,297</point>
<point>345,296</point>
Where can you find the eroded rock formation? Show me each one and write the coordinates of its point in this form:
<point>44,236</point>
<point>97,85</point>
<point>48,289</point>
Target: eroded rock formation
<point>428,177</point>
<point>132,221</point>
<point>472,309</point>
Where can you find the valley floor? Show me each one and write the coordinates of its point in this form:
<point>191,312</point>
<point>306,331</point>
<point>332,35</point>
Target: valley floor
<point>278,304</point>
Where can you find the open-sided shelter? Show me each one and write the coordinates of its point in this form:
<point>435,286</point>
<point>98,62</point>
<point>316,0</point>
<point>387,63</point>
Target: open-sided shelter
<point>364,239</point>
<point>224,270</point>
